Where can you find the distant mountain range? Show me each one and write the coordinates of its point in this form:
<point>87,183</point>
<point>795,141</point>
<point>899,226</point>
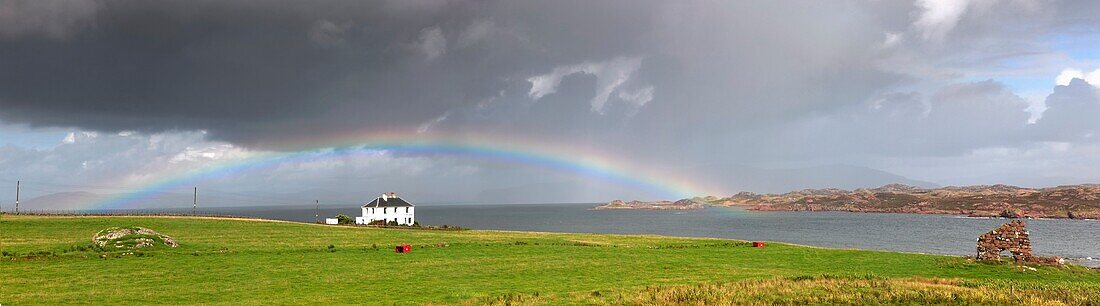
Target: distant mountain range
<point>767,180</point>
<point>86,200</point>
<point>728,177</point>
<point>1074,201</point>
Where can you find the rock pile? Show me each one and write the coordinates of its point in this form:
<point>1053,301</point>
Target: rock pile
<point>131,238</point>
<point>1014,238</point>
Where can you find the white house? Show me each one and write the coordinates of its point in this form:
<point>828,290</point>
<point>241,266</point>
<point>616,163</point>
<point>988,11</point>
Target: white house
<point>388,207</point>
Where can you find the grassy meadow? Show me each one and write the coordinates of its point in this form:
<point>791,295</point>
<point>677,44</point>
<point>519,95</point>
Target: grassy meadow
<point>224,261</point>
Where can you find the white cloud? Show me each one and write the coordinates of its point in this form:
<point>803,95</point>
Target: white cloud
<point>638,97</point>
<point>939,17</point>
<point>1068,74</point>
<point>427,126</point>
<point>610,75</point>
<point>431,43</point>
<point>891,40</point>
<point>82,136</point>
<point>212,152</point>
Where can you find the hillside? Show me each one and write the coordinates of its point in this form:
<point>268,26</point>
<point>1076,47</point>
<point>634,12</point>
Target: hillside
<point>48,260</point>
<point>684,204</point>
<point>1075,201</point>
<point>768,180</point>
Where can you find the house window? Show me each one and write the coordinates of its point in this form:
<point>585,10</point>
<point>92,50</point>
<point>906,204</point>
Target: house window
<point>406,210</point>
<point>384,210</point>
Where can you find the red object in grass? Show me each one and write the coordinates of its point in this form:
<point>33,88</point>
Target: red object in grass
<point>404,248</point>
<point>757,244</point>
<point>408,248</point>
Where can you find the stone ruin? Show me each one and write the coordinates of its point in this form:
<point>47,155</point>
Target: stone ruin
<point>131,238</point>
<point>1014,238</point>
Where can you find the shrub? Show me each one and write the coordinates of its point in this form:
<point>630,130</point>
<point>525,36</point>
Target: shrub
<point>344,219</point>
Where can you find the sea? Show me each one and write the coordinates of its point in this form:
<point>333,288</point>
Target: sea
<point>1076,240</point>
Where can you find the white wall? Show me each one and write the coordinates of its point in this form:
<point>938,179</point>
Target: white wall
<point>403,215</point>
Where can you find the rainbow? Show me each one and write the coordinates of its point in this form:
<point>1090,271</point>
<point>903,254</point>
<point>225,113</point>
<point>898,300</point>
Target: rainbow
<point>588,163</point>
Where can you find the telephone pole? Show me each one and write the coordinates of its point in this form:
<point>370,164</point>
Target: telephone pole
<point>316,211</point>
<point>17,185</point>
<point>194,201</point>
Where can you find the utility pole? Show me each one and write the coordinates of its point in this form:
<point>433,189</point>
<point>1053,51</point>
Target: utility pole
<point>17,185</point>
<point>195,200</point>
<point>316,211</point>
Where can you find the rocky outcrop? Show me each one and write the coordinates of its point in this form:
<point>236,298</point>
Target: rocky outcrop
<point>1010,237</point>
<point>684,204</point>
<point>131,238</point>
<point>1075,202</point>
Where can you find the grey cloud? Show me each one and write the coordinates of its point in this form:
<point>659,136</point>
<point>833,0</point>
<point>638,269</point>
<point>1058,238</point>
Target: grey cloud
<point>685,83</point>
<point>50,19</point>
<point>431,43</point>
<point>1073,113</point>
<point>328,33</point>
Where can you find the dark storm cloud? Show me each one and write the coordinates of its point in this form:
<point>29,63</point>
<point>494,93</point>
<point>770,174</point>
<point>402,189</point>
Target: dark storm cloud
<point>256,72</point>
<point>703,82</point>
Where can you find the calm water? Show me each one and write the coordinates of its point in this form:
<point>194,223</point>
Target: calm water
<point>938,234</point>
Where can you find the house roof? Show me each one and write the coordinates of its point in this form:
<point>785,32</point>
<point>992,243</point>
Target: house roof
<point>389,201</point>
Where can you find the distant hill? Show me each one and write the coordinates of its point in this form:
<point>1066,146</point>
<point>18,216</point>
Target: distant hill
<point>576,191</point>
<point>730,177</point>
<point>764,180</point>
<point>62,200</point>
<point>84,200</point>
<point>1074,201</point>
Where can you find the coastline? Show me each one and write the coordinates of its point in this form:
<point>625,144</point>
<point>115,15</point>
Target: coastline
<point>968,214</point>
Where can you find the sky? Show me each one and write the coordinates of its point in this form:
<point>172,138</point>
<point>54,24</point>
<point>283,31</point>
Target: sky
<point>280,102</point>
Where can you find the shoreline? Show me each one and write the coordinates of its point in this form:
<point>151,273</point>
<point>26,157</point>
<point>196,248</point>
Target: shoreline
<point>1075,261</point>
<point>754,208</point>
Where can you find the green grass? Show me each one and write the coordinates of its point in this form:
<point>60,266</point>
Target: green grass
<point>251,262</point>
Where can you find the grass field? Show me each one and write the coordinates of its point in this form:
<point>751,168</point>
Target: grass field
<point>223,261</point>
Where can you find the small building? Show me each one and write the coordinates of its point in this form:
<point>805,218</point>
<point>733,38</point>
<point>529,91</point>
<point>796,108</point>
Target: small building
<point>332,221</point>
<point>388,208</point>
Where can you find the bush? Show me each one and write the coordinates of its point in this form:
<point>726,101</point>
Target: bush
<point>344,219</point>
<point>392,223</point>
